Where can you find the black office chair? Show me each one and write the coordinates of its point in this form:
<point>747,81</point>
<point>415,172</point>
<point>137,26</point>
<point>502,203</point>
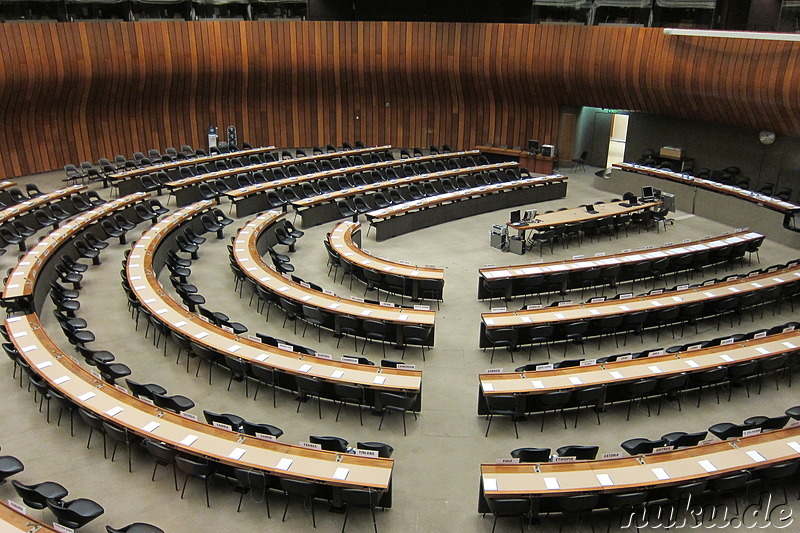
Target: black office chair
<point>579,162</point>
<point>76,513</point>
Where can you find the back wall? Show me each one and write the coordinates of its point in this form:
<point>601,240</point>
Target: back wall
<point>80,91</point>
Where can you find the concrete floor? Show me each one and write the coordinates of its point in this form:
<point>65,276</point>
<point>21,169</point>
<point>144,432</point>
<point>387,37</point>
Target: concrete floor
<point>437,464</point>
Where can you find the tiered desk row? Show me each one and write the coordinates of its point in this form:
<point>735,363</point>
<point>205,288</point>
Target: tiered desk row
<point>322,208</point>
<point>65,375</point>
<point>785,279</point>
<point>345,242</point>
<point>543,482</point>
<point>167,167</point>
<point>146,259</point>
<point>680,256</point>
<point>616,375</point>
<point>431,210</point>
<point>186,189</point>
<point>29,282</point>
<point>252,241</point>
<point>723,203</point>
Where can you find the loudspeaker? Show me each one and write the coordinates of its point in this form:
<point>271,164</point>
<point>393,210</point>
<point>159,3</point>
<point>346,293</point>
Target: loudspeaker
<point>533,146</point>
<point>548,150</point>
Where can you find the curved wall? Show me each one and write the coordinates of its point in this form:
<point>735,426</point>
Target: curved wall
<point>80,91</point>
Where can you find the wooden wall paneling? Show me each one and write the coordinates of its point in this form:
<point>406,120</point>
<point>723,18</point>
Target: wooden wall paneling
<point>81,91</point>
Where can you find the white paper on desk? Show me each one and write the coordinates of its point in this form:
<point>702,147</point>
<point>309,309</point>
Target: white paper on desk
<point>306,298</point>
<point>489,483</point>
<point>188,440</point>
<point>605,480</point>
<point>551,483</point>
<point>333,306</point>
<point>692,363</point>
<point>237,453</point>
<point>615,374</point>
<point>86,396</point>
<point>709,294</point>
<point>337,374</point>
<point>677,298</point>
<point>379,380</point>
<point>19,334</point>
<point>152,426</point>
<point>575,381</point>
<point>366,312</point>
<point>27,349</point>
<point>487,387</point>
<point>13,319</point>
<point>201,335</point>
<point>654,369</point>
<point>180,324</point>
<point>403,317</point>
<point>12,286</point>
<point>304,368</point>
<point>725,357</point>
<point>62,379</point>
<point>794,445</point>
<point>341,473</point>
<point>284,464</point>
<point>114,411</point>
<point>560,316</point>
<point>754,284</point>
<point>624,307</point>
<point>660,473</point>
<point>283,289</point>
<point>755,456</point>
<point>595,311</point>
<point>140,287</point>
<point>762,350</point>
<point>733,289</point>
<point>526,319</point>
<point>44,365</point>
<point>262,357</point>
<point>537,384</point>
<point>789,345</point>
<point>707,465</point>
<point>234,348</point>
<point>150,300</point>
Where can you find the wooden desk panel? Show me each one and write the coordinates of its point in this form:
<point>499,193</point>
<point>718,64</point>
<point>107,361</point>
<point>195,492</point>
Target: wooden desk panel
<point>771,202</point>
<point>430,201</point>
<point>579,214</point>
<point>36,202</point>
<point>533,162</point>
<point>22,279</point>
<point>194,180</point>
<point>11,520</point>
<point>342,242</point>
<point>635,473</point>
<point>618,373</point>
<point>587,311</point>
<point>156,167</point>
<point>650,254</point>
<point>246,254</point>
<point>143,280</point>
<point>53,365</point>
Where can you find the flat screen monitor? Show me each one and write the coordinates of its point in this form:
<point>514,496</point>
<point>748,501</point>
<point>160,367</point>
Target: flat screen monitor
<point>656,193</point>
<point>590,208</point>
<point>647,192</point>
<point>533,146</point>
<point>515,216</point>
<point>530,214</point>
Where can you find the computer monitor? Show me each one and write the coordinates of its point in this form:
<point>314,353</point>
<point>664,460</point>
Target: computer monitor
<point>533,146</point>
<point>656,193</point>
<point>530,214</point>
<point>515,216</point>
<point>647,192</point>
<point>590,208</point>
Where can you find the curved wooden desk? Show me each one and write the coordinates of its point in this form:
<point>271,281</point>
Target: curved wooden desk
<point>186,192</point>
<point>156,167</point>
<point>345,241</point>
<point>23,208</point>
<point>66,376</point>
<point>389,223</point>
<point>322,208</point>
<point>247,201</point>
<point>615,375</point>
<point>770,202</point>
<point>580,214</point>
<point>12,520</point>
<point>594,311</point>
<point>142,275</point>
<point>246,254</point>
<point>26,274</point>
<point>575,266</point>
<point>641,472</point>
